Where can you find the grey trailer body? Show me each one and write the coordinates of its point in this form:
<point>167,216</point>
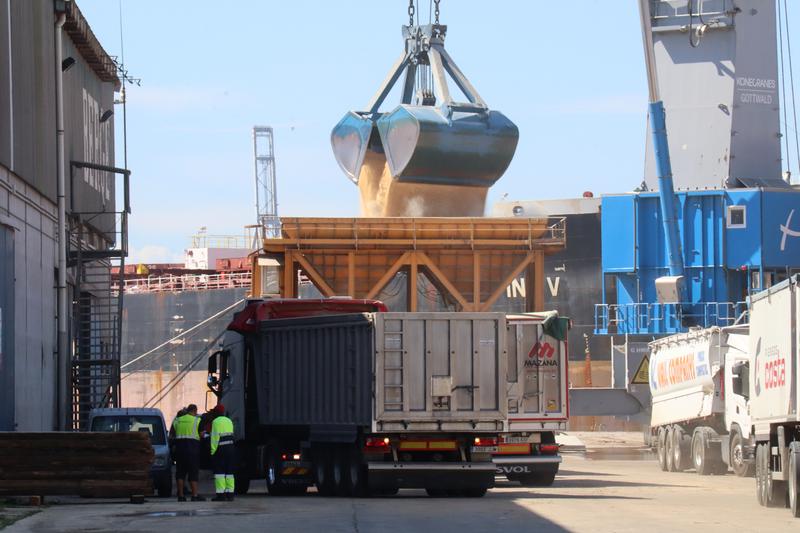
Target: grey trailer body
<point>439,371</point>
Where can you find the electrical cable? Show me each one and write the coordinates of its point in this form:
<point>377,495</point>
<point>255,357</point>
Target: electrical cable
<point>783,90</point>
<point>791,76</point>
<point>177,378</point>
<point>182,334</point>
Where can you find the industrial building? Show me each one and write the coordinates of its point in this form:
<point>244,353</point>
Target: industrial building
<point>61,227</point>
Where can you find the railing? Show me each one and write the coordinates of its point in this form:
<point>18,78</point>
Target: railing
<point>186,282</point>
<point>246,241</point>
<point>659,319</point>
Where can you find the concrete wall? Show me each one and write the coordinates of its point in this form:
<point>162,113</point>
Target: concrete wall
<point>139,387</point>
<point>32,218</point>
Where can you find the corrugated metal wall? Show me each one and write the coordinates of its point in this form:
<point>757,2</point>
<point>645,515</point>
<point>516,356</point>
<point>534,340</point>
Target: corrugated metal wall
<point>6,328</point>
<point>5,85</point>
<point>317,372</point>
<point>33,94</point>
<point>28,111</point>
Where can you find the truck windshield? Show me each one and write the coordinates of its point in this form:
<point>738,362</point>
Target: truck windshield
<point>152,425</point>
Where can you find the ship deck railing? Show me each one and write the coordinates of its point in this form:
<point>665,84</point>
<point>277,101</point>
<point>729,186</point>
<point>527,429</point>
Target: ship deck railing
<point>187,282</point>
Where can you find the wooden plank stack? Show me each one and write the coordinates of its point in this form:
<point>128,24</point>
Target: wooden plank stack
<point>107,465</point>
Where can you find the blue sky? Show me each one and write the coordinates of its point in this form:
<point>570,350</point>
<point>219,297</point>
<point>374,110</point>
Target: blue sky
<point>569,74</point>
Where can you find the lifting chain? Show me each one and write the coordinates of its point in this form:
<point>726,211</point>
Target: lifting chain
<point>410,12</point>
<point>436,11</point>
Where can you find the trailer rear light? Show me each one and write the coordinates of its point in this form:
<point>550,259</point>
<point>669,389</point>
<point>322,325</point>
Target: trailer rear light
<point>377,444</point>
<point>485,441</point>
<point>548,449</point>
<point>296,457</point>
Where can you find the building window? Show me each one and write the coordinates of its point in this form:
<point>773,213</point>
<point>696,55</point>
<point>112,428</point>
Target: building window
<point>737,216</point>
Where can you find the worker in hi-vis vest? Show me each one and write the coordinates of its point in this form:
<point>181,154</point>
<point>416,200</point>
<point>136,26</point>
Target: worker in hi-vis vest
<point>185,429</point>
<point>222,455</point>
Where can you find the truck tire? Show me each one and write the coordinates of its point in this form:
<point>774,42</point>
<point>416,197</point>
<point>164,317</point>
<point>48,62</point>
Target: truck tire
<point>241,483</point>
<point>794,478</point>
<point>475,492</point>
<point>771,493</point>
<point>436,493</point>
<point>357,474</point>
<point>538,479</point>
<point>737,461</point>
<point>661,448</point>
<point>165,487</point>
<point>323,472</point>
<point>669,437</point>
<point>700,456</point>
<point>761,493</point>
<point>341,467</point>
<point>681,449</point>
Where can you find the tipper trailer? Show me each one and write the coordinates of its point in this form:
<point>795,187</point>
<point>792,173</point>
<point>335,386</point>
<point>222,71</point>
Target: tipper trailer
<point>774,396</point>
<point>359,400</point>
<point>700,417</point>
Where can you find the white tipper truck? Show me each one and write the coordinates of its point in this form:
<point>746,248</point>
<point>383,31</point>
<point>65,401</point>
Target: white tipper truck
<point>700,418</point>
<point>774,396</point>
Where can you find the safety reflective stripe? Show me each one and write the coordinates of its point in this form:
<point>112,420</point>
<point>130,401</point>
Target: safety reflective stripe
<point>221,432</point>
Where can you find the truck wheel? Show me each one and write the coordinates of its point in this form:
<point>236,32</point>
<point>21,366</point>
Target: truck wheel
<point>323,472</point>
<point>436,493</point>
<point>538,479</point>
<point>700,459</point>
<point>357,474</point>
<point>771,493</point>
<point>341,467</point>
<point>681,449</point>
<point>761,493</point>
<point>476,492</point>
<point>669,438</point>
<point>794,478</point>
<point>242,483</point>
<point>661,448</point>
<point>165,487</point>
<point>740,467</point>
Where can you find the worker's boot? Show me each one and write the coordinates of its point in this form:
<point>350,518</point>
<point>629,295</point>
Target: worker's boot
<point>220,497</point>
<point>198,499</point>
<point>181,498</point>
<point>229,496</point>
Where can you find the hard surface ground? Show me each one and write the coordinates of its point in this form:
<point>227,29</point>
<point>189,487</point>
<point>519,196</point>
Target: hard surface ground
<point>589,495</point>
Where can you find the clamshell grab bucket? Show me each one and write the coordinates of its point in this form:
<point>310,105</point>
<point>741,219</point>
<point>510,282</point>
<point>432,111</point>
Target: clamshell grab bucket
<point>430,145</point>
<point>470,149</point>
<point>349,140</point>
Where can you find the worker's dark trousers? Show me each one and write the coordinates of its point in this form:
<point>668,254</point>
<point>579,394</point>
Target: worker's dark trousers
<point>224,464</point>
